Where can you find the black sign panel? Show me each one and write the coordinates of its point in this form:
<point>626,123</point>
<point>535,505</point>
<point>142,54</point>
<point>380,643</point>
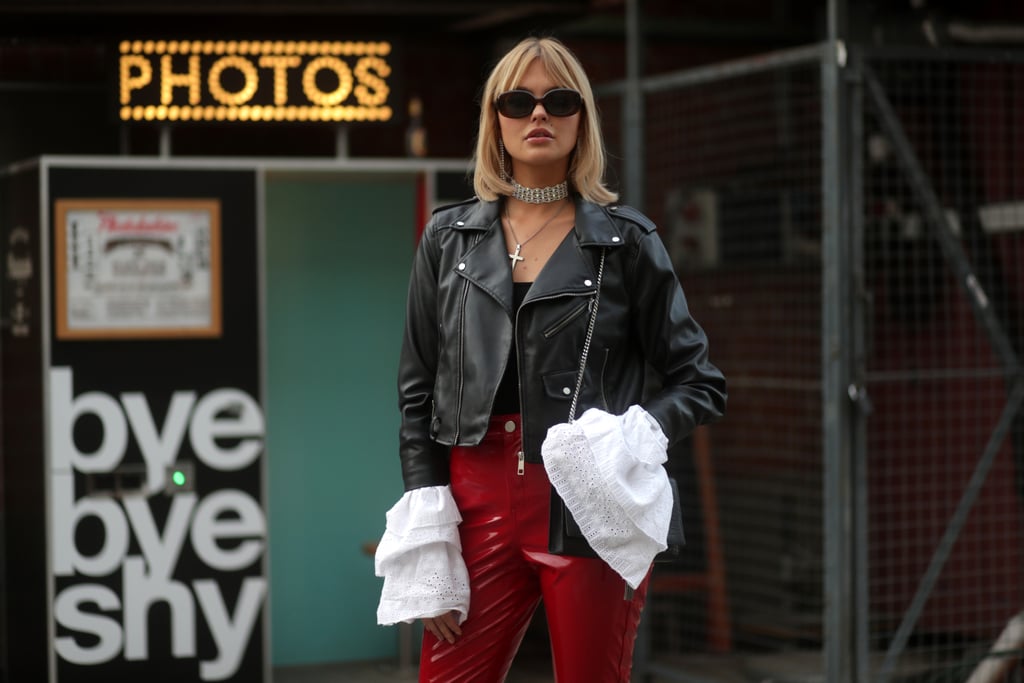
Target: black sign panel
<point>23,627</point>
<point>157,537</point>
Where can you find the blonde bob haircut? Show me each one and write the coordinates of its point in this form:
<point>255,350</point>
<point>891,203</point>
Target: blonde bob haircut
<point>587,162</point>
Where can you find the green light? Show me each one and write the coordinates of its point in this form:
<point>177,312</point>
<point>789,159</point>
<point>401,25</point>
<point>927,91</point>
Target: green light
<point>178,478</point>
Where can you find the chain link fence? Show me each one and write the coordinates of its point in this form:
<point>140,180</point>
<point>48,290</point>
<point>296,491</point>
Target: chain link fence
<point>943,214</point>
<point>932,244</point>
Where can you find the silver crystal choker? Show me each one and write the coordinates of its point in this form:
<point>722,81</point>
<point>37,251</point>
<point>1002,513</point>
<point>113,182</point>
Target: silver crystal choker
<point>540,195</point>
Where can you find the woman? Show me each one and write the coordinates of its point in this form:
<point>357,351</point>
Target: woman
<point>500,297</point>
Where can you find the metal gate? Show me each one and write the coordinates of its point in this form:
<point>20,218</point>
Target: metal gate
<point>849,228</point>
<point>943,235</point>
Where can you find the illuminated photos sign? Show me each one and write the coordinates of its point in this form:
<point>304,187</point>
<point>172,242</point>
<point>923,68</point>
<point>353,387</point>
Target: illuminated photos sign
<point>240,80</point>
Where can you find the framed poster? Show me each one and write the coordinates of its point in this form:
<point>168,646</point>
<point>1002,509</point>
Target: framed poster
<point>137,268</point>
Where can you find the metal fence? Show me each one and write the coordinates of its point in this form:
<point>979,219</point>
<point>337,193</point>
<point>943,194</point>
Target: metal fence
<point>849,229</point>
<point>943,232</point>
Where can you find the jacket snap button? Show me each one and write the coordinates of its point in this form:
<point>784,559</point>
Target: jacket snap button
<point>615,239</point>
<point>510,426</point>
<point>460,223</point>
<point>566,390</point>
<point>587,283</point>
<point>462,266</point>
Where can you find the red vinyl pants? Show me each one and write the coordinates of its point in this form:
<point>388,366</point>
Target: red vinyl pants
<point>592,618</point>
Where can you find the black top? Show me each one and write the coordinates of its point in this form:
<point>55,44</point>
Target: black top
<point>507,400</point>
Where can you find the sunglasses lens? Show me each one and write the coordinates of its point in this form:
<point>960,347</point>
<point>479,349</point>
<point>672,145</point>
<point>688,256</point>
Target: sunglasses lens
<point>516,104</point>
<point>562,102</point>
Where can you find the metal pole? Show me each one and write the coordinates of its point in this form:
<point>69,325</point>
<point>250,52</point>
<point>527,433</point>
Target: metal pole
<point>768,62</point>
<point>633,110</point>
<point>861,311</point>
<point>837,409</point>
<point>341,141</point>
<point>123,140</point>
<point>165,141</point>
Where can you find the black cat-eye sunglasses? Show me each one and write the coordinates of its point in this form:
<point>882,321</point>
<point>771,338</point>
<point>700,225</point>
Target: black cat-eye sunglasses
<point>517,104</point>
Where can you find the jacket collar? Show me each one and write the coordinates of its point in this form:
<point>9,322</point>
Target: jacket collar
<point>569,271</point>
<point>594,227</point>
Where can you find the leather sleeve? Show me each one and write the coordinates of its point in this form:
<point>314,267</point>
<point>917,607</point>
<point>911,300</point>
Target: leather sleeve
<point>693,390</point>
<point>424,461</point>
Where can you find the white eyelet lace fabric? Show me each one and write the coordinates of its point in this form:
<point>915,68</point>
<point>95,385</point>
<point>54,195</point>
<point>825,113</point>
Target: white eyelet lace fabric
<point>420,559</point>
<point>608,470</point>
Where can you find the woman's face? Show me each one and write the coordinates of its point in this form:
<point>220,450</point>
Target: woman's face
<point>539,140</point>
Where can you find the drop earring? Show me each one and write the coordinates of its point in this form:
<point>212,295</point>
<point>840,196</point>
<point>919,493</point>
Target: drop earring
<point>501,159</point>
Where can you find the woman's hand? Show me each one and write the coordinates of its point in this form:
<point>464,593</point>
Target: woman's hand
<point>444,626</point>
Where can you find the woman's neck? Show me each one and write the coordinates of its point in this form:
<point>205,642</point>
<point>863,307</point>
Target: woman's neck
<point>539,176</point>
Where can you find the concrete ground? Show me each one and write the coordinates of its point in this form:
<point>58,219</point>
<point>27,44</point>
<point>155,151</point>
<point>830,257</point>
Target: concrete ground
<point>379,672</point>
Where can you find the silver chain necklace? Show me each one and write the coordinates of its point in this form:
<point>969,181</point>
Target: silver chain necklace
<point>540,195</point>
<point>515,258</point>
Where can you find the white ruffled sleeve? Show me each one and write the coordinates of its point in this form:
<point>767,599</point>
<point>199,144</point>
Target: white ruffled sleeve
<point>608,470</point>
<point>420,558</point>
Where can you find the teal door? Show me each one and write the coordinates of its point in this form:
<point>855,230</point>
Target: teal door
<point>338,252</point>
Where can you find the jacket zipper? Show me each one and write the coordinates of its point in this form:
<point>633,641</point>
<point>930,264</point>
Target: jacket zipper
<point>462,359</point>
<point>564,322</point>
<point>521,455</point>
<point>604,369</point>
<point>462,349</point>
<point>519,382</point>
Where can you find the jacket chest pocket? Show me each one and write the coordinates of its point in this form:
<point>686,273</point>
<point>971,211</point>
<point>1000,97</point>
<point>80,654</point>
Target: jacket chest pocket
<point>567,319</point>
<point>560,385</point>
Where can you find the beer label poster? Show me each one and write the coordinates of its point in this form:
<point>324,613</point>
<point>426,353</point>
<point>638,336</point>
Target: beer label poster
<point>156,442</point>
<point>137,268</point>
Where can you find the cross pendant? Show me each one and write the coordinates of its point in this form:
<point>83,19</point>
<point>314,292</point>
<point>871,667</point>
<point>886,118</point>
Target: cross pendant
<point>514,258</point>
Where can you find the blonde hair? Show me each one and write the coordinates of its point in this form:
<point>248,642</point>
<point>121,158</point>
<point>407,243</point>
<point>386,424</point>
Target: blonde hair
<point>587,163</point>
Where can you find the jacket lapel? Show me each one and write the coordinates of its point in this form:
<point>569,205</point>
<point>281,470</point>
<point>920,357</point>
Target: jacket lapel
<point>594,227</point>
<point>486,262</point>
<point>570,270</point>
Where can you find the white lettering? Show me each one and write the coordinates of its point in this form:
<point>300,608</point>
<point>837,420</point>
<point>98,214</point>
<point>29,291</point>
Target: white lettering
<point>209,526</point>
<point>140,592</point>
<point>65,411</point>
<point>227,414</point>
<point>67,513</point>
<point>158,449</point>
<point>226,528</point>
<point>161,553</point>
<point>230,634</point>
<point>68,612</point>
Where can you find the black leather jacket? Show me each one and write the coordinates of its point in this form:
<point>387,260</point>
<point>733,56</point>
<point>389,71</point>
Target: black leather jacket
<point>459,329</point>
